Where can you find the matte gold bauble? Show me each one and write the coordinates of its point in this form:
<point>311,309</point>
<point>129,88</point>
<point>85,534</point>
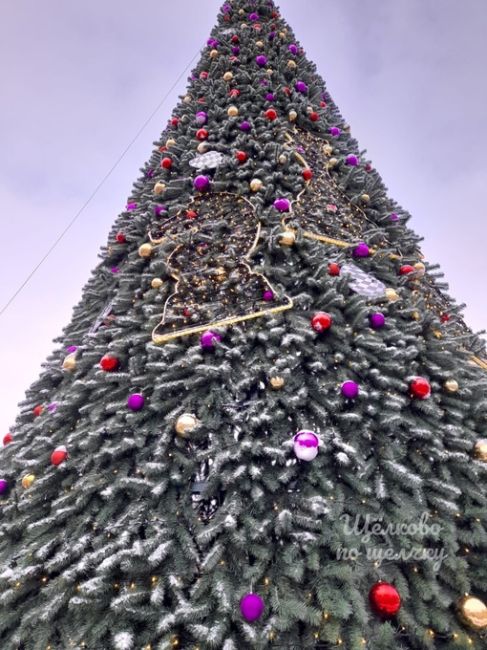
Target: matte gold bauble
<point>451,385</point>
<point>28,480</point>
<point>287,238</point>
<point>333,162</point>
<point>228,76</point>
<point>156,283</point>
<point>276,382</point>
<point>219,274</point>
<point>187,99</point>
<point>145,250</point>
<point>202,147</point>
<point>415,315</point>
<point>69,362</point>
<point>270,72</point>
<point>292,65</point>
<point>420,269</point>
<point>283,159</point>
<point>170,142</point>
<point>327,149</point>
<point>473,612</point>
<point>213,54</point>
<point>259,43</point>
<point>392,295</point>
<point>293,116</point>
<point>232,111</point>
<point>256,184</point>
<point>185,424</point>
<point>480,450</point>
<point>241,12</point>
<point>283,34</point>
<point>365,198</point>
<point>159,187</point>
<point>438,334</point>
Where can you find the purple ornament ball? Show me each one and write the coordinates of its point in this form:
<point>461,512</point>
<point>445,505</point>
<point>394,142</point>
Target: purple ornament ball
<point>282,205</point>
<point>201,183</point>
<point>226,9</point>
<point>235,50</point>
<point>3,486</point>
<point>245,126</point>
<point>350,389</point>
<point>268,295</point>
<point>293,48</point>
<point>270,97</point>
<point>335,131</point>
<point>201,118</point>
<point>136,402</point>
<point>301,87</point>
<point>71,348</point>
<point>254,17</point>
<point>159,209</point>
<point>361,250</point>
<point>272,36</point>
<point>393,217</point>
<point>261,60</point>
<point>351,160</point>
<point>377,320</point>
<point>251,607</point>
<point>208,339</point>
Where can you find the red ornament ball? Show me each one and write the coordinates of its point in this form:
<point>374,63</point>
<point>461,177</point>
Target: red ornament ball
<point>445,318</point>
<point>385,599</point>
<point>406,268</point>
<point>241,156</point>
<point>307,174</point>
<point>234,92</point>
<point>333,269</point>
<point>235,38</point>
<point>109,363</point>
<point>38,410</point>
<point>420,388</point>
<point>202,134</point>
<point>204,75</point>
<point>175,121</point>
<point>166,163</point>
<point>271,114</point>
<point>313,116</point>
<point>59,455</point>
<point>191,214</point>
<point>120,238</point>
<point>321,321</point>
<point>7,439</point>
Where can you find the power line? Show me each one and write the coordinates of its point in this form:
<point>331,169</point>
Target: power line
<point>96,190</point>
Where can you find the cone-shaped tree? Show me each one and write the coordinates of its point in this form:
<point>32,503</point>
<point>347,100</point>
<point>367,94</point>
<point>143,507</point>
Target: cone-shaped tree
<point>260,285</point>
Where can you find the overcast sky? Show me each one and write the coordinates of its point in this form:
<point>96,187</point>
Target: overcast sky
<point>79,79</point>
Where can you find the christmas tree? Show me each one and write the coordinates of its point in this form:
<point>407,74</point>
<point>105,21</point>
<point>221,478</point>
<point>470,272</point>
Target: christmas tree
<point>265,425</point>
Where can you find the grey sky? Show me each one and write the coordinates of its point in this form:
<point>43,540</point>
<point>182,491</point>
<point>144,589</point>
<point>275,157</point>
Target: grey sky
<point>79,79</point>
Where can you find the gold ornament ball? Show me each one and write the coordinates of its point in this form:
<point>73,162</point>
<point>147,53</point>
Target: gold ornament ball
<point>283,159</point>
<point>333,162</point>
<point>292,65</point>
<point>145,250</point>
<point>185,424</point>
<point>69,362</point>
<point>170,142</point>
<point>202,147</point>
<point>473,611</point>
<point>228,76</point>
<point>420,269</point>
<point>451,385</point>
<point>213,54</point>
<point>256,184</point>
<point>232,111</point>
<point>293,116</point>
<point>159,187</point>
<point>28,480</point>
<point>283,33</point>
<point>365,198</point>
<point>241,12</point>
<point>480,450</point>
<point>392,295</point>
<point>270,72</point>
<point>437,334</point>
<point>287,238</point>
<point>156,283</point>
<point>327,149</point>
<point>187,99</point>
<point>259,43</point>
<point>415,315</point>
<point>276,382</point>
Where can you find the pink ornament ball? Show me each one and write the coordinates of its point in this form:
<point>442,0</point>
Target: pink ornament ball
<point>201,183</point>
<point>208,339</point>
<point>335,131</point>
<point>301,87</point>
<point>350,389</point>
<point>261,60</point>
<point>377,320</point>
<point>251,607</point>
<point>3,486</point>
<point>268,295</point>
<point>282,205</point>
<point>306,445</point>
<point>361,250</point>
<point>135,402</point>
<point>351,160</point>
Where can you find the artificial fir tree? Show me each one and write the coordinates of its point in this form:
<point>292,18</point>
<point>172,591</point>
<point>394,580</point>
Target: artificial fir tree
<point>262,368</point>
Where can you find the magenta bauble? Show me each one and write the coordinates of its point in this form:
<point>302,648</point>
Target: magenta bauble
<point>201,118</point>
<point>261,60</point>
<point>270,97</point>
<point>268,295</point>
<point>301,87</point>
<point>352,160</point>
<point>245,126</point>
<point>335,131</point>
<point>135,402</point>
<point>377,320</point>
<point>350,389</point>
<point>3,486</point>
<point>305,445</point>
<point>201,183</point>
<point>282,205</point>
<point>253,16</point>
<point>361,250</point>
<point>251,607</point>
<point>208,339</point>
<point>393,217</point>
<point>293,48</point>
